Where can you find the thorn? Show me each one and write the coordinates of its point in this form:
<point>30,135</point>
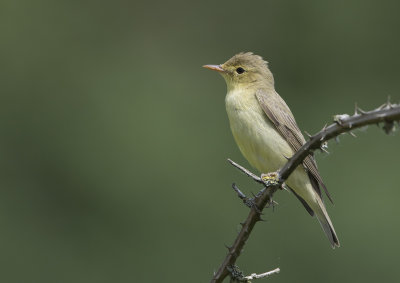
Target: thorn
<point>324,150</point>
<point>272,203</point>
<point>352,134</point>
<point>284,187</point>
<point>287,158</point>
<point>383,106</point>
<point>273,206</point>
<point>355,109</point>
<point>258,218</point>
<point>308,135</point>
<point>337,139</point>
<point>389,127</point>
<point>361,111</point>
<point>389,104</point>
<point>324,128</point>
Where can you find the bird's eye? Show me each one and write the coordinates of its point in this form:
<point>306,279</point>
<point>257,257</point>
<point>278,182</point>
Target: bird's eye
<point>240,70</point>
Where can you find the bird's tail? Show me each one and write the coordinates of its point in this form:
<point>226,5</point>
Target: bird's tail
<point>326,223</point>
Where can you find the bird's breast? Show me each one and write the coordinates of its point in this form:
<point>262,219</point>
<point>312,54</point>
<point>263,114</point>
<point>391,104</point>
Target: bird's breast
<point>254,133</point>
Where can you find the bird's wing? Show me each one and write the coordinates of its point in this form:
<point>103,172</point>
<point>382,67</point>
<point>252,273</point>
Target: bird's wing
<point>281,116</point>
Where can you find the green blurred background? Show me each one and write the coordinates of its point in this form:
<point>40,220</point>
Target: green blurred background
<point>114,140</point>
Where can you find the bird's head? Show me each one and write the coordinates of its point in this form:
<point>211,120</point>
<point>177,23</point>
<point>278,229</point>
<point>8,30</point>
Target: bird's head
<point>244,70</point>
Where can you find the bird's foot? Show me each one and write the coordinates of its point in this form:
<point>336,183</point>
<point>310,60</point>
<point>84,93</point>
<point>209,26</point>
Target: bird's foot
<point>270,179</point>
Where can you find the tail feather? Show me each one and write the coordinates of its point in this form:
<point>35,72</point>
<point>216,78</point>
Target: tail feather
<point>326,223</point>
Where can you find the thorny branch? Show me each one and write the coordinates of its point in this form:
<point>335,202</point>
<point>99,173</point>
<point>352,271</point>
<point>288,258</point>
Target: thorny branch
<point>387,114</point>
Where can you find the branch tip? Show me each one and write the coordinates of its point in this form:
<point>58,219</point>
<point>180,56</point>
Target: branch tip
<point>362,112</point>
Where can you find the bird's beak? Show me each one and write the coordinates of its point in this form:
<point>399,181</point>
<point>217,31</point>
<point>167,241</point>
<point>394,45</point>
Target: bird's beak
<point>217,68</point>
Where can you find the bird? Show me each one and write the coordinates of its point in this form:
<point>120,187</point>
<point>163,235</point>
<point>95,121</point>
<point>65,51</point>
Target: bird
<point>266,131</point>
